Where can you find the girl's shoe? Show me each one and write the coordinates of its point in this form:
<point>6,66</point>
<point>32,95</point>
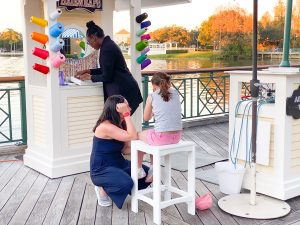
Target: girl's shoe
<point>149,177</point>
<point>102,201</point>
<point>141,173</point>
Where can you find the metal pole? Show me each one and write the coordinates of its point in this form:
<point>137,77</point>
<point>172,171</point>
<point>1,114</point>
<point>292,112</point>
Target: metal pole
<point>254,94</point>
<point>287,34</point>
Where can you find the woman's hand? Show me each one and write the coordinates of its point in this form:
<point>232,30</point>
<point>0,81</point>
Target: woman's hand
<point>82,72</point>
<point>85,76</point>
<point>122,108</point>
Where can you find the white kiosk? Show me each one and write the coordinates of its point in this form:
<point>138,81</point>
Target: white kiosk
<point>278,138</point>
<point>60,118</point>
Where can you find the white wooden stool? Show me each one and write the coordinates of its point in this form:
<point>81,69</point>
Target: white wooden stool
<point>158,152</point>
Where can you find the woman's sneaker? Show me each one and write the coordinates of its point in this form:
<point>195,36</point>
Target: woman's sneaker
<point>141,173</point>
<point>102,201</point>
<point>149,177</point>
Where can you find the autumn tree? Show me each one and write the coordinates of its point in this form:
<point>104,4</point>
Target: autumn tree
<point>226,27</point>
<point>271,29</point>
<point>10,37</point>
<point>173,33</point>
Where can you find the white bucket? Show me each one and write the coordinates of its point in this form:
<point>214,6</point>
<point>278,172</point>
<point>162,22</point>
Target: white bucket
<point>230,178</point>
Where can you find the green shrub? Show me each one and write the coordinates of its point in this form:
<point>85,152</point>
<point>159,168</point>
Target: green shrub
<point>176,51</point>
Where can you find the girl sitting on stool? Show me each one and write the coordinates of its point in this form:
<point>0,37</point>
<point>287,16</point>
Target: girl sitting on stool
<point>164,105</point>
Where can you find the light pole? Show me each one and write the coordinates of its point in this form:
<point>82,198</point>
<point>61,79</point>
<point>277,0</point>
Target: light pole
<point>287,34</point>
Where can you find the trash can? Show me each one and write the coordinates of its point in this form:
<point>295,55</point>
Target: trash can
<point>230,177</point>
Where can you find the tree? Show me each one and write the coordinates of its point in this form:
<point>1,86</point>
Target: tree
<point>172,33</point>
<point>225,27</point>
<point>10,37</point>
<point>271,29</point>
<point>194,37</point>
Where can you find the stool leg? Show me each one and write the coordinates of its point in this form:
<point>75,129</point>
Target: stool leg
<point>191,181</point>
<point>134,176</point>
<point>156,188</point>
<point>167,177</point>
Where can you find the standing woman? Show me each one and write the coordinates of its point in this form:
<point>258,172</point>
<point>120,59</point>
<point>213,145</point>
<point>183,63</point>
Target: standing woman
<point>113,71</point>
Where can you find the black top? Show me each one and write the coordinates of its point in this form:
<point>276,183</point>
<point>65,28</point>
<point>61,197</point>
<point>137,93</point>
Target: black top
<point>115,75</point>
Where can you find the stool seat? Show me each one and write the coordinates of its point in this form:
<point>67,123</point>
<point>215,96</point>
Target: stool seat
<point>165,151</point>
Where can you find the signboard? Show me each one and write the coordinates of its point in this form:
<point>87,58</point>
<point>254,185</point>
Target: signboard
<point>293,105</point>
<point>89,5</point>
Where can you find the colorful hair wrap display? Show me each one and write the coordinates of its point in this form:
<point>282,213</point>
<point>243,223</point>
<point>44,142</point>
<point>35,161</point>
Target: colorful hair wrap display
<point>141,45</point>
<point>41,38</point>
<point>141,18</point>
<point>141,58</point>
<point>145,51</point>
<point>41,53</point>
<point>146,37</point>
<point>38,21</point>
<point>145,24</point>
<point>58,60</point>
<point>56,30</point>
<point>54,15</point>
<point>41,68</point>
<point>145,63</point>
<point>57,45</point>
<point>141,32</point>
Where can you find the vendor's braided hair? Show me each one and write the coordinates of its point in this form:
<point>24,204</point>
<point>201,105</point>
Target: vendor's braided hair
<point>94,29</point>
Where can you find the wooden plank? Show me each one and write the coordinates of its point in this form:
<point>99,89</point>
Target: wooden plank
<point>180,182</point>
<point>212,141</point>
<point>136,218</point>
<point>206,216</point>
<point>42,206</point>
<point>10,172</point>
<point>12,185</point>
<point>16,199</point>
<point>213,130</point>
<point>58,204</point>
<point>89,206</point>
<point>166,217</point>
<point>289,219</point>
<point>72,209</point>
<point>120,216</point>
<point>294,203</point>
<point>215,191</point>
<point>149,220</point>
<point>29,201</point>
<point>103,215</point>
<point>200,143</point>
<point>221,216</point>
<point>4,165</point>
<point>297,223</point>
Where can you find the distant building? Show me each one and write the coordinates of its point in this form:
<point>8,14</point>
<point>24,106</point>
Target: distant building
<point>122,37</point>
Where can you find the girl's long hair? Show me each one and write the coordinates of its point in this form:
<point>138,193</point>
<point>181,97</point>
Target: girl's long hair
<point>110,112</point>
<point>163,81</point>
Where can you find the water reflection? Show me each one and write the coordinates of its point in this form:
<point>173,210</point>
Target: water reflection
<point>14,66</point>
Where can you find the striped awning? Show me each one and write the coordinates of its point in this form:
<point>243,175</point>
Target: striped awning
<point>72,33</point>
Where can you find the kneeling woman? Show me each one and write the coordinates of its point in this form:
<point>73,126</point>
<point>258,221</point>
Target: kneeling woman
<point>110,172</point>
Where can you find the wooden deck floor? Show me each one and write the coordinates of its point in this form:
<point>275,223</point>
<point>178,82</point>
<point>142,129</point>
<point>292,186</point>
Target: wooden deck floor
<point>27,197</point>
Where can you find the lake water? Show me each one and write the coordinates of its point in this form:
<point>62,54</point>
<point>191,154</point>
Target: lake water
<point>14,66</point>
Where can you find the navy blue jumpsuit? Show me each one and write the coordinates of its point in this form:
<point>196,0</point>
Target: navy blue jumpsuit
<point>111,171</point>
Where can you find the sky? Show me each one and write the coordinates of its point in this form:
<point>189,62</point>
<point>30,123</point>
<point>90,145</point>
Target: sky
<point>187,15</point>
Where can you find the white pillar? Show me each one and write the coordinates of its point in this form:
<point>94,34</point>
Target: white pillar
<point>135,10</point>
<point>107,17</point>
